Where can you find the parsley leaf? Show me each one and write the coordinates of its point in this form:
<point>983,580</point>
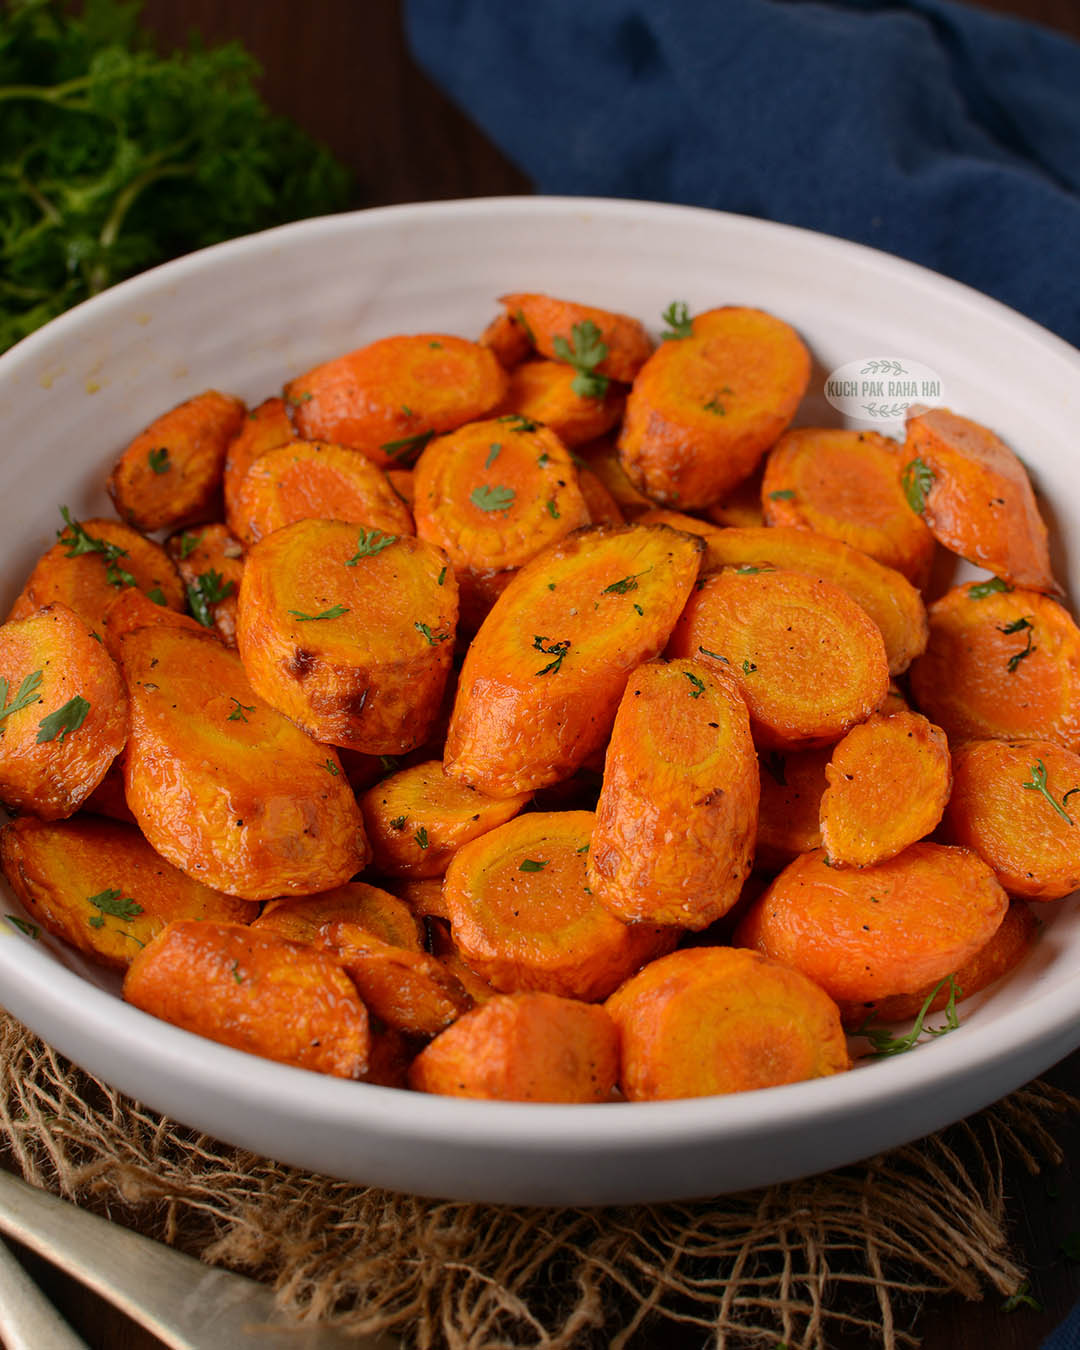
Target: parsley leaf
<point>884,1043</point>
<point>30,929</point>
<point>398,823</point>
<point>369,543</point>
<point>782,495</point>
<point>78,541</point>
<point>188,544</point>
<point>331,768</point>
<point>432,638</point>
<point>585,351</point>
<point>334,612</point>
<point>697,686</point>
<point>112,902</point>
<point>157,595</point>
<point>28,693</point>
<point>209,588</point>
<point>625,585</point>
<point>497,498</point>
<point>679,323</point>
<point>917,479</point>
<point>493,454</point>
<point>519,422</point>
<point>1019,626</point>
<point>237,714</point>
<point>421,837</point>
<point>408,447</point>
<point>984,588</point>
<point>533,865</point>
<point>159,460</point>
<point>1038,784</point>
<point>557,649</point>
<point>64,720</point>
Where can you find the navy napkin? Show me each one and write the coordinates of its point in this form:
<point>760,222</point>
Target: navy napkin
<point>933,131</point>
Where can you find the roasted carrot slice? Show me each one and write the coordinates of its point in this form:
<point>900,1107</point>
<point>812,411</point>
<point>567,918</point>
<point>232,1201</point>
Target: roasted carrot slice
<point>211,562</point>
<point>423,895</point>
<point>63,712</point>
<point>1015,804</point>
<point>575,333</point>
<point>523,916</point>
<point>255,992</point>
<point>706,407</point>
<point>677,816</point>
<point>507,339</point>
<point>349,632</point>
<point>890,599</point>
<point>543,677</point>
<point>171,473</point>
<point>602,507</point>
<point>312,480</point>
<point>131,609</point>
<point>711,1020</point>
<point>303,918</point>
<point>100,886</point>
<point>543,391</point>
<point>1003,953</point>
<point>523,1048</point>
<point>976,497</point>
<point>389,398</point>
<point>417,819</point>
<point>889,780</point>
<point>869,933</point>
<point>600,458</point>
<point>792,785</point>
<point>807,659</point>
<point>846,485</point>
<point>224,787</point>
<point>740,507</point>
<point>90,563</point>
<point>493,495</point>
<point>445,951</point>
<point>264,428</point>
<point>1001,664</point>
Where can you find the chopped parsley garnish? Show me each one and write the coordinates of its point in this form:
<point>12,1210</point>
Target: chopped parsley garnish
<point>112,902</point>
<point>398,823</point>
<point>30,929</point>
<point>157,595</point>
<point>28,693</point>
<point>782,495</point>
<point>408,447</point>
<point>585,351</point>
<point>715,655</point>
<point>557,649</point>
<point>697,686</point>
<point>678,320</point>
<point>884,1043</point>
<point>78,542</point>
<point>331,768</point>
<point>442,576</point>
<point>748,666</point>
<point>493,454</point>
<point>639,609</point>
<point>159,460</point>
<point>984,588</point>
<point>1038,784</point>
<point>543,459</point>
<point>369,543</point>
<point>209,588</point>
<point>497,498</point>
<point>334,612</point>
<point>625,585</point>
<point>421,837</point>
<point>553,510</point>
<point>237,714</point>
<point>66,719</point>
<point>749,569</point>
<point>715,406</point>
<point>432,638</point>
<point>533,865</point>
<point>1019,626</point>
<point>917,479</point>
<point>188,544</point>
<point>519,422</point>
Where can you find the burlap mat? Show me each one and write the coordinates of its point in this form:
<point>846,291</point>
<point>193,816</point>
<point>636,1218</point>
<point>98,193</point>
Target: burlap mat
<point>855,1250</point>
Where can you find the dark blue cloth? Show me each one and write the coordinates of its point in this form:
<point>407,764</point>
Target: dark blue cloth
<point>925,128</point>
<point>1067,1336</point>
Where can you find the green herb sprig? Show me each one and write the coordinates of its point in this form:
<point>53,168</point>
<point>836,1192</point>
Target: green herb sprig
<point>585,351</point>
<point>884,1043</point>
<point>208,588</point>
<point>678,320</point>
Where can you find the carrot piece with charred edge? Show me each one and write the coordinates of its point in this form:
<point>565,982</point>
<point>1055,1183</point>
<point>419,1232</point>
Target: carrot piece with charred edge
<point>409,991</point>
<point>1013,802</point>
<point>895,606</point>
<point>792,785</point>
<point>171,473</point>
<point>544,675</point>
<point>846,485</point>
<point>302,918</point>
<point>1001,665</point>
<point>543,391</point>
<point>677,816</point>
<point>130,610</point>
<point>404,484</point>
<point>600,458</point>
<point>63,713</point>
<point>264,428</point>
<point>91,562</point>
<point>871,932</point>
<point>254,992</point>
<point>349,632</point>
<point>975,496</point>
<point>495,494</point>
<point>388,398</point>
<point>712,1020</point>
<point>417,819</point>
<point>1005,950</point>
<point>100,886</point>
<point>313,480</point>
<point>547,320</point>
<point>523,917</point>
<point>225,787</point>
<point>211,563</point>
<point>602,507</point>
<point>807,659</point>
<point>740,507</point>
<point>507,339</point>
<point>705,408</point>
<point>889,780</point>
<point>523,1048</point>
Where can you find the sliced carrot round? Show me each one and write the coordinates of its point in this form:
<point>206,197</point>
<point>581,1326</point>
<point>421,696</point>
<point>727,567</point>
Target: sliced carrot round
<point>551,323</point>
<point>264,428</point>
<point>302,918</point>
<point>873,932</point>
<point>792,785</point>
<point>846,484</point>
<point>507,339</point>
<point>523,916</point>
<point>602,507</point>
<point>1001,664</point>
<point>543,391</point>
<point>388,399</point>
<point>711,1020</point>
<point>809,662</point>
<point>599,456</point>
<point>130,610</point>
<point>705,408</point>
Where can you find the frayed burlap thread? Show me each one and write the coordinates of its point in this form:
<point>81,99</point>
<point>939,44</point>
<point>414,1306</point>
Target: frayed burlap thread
<point>853,1251</point>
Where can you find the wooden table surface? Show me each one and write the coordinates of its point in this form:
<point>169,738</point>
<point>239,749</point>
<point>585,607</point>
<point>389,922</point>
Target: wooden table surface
<point>340,68</point>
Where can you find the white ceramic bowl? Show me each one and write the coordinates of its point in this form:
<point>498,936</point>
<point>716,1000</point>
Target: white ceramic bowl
<point>244,316</point>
